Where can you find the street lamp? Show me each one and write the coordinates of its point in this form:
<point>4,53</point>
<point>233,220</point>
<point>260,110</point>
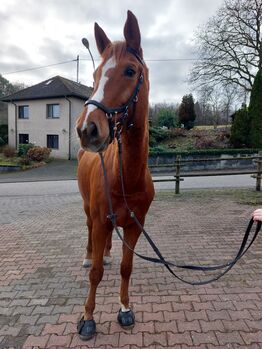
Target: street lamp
<point>86,44</point>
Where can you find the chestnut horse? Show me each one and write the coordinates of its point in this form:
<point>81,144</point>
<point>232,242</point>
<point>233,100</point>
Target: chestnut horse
<point>118,105</point>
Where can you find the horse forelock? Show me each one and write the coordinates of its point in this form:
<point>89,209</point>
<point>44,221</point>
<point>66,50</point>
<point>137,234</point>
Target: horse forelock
<point>118,50</point>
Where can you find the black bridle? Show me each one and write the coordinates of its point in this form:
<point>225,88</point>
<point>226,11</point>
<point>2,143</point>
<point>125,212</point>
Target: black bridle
<point>111,113</point>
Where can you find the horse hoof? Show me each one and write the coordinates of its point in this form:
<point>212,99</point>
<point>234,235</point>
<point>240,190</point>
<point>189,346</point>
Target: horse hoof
<point>126,319</point>
<point>107,260</point>
<point>87,263</point>
<point>86,329</point>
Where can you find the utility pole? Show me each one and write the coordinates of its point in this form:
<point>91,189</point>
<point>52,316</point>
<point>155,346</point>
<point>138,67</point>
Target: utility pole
<point>77,68</point>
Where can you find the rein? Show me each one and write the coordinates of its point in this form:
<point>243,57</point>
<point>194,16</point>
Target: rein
<point>161,260</point>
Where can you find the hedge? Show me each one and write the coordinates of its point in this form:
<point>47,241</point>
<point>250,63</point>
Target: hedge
<point>225,151</point>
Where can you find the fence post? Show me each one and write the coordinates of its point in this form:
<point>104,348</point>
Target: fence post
<point>178,165</point>
<point>259,171</point>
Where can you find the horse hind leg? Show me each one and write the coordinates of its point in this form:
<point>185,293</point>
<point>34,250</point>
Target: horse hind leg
<point>107,259</point>
<point>87,262</point>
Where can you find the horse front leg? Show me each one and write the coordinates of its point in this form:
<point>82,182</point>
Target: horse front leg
<point>87,325</point>
<point>126,317</point>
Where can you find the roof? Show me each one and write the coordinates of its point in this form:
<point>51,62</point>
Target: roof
<point>52,88</point>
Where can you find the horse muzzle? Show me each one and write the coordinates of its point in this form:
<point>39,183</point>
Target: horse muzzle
<point>92,138</point>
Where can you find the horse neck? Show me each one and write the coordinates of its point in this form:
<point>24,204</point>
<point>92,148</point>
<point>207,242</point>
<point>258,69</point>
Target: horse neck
<point>135,150</point>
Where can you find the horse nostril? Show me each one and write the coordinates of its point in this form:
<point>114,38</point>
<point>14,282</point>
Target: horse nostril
<point>93,130</point>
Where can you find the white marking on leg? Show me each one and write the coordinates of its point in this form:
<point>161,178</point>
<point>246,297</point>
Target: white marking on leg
<point>123,308</point>
<point>87,263</point>
<point>99,94</point>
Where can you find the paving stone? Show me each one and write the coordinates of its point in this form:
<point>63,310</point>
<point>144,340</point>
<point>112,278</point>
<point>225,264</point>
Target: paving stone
<point>54,329</point>
<point>52,319</point>
<point>232,337</point>
<point>59,341</point>
<point>36,341</point>
<point>28,319</point>
<point>179,338</point>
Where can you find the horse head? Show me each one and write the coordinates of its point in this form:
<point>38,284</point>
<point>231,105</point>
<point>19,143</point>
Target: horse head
<point>117,82</point>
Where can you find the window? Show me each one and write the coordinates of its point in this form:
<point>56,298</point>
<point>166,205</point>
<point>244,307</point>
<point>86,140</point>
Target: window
<point>52,141</point>
<point>23,138</point>
<point>23,111</point>
<point>53,111</point>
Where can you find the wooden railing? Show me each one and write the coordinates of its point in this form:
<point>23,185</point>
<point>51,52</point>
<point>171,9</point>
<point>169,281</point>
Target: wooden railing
<point>179,176</point>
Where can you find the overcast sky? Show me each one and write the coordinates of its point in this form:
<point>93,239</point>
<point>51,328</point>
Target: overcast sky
<point>36,33</point>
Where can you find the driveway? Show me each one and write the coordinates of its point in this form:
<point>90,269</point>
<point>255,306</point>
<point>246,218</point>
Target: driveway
<point>43,285</point>
<point>54,171</point>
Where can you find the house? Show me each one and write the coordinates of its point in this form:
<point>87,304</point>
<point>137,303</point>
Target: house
<point>45,114</point>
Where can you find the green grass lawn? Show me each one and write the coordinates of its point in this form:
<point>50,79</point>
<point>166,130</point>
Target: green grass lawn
<point>13,161</point>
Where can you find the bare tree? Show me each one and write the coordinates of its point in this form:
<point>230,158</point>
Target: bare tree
<point>230,46</point>
<point>216,104</point>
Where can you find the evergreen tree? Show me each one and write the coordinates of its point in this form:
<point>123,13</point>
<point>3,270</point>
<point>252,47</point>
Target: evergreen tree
<point>186,112</point>
<point>240,128</point>
<point>255,112</point>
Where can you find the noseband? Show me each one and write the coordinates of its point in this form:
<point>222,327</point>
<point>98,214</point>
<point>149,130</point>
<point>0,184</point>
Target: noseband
<point>110,113</point>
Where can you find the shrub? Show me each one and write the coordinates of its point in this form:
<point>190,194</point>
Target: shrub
<point>9,152</point>
<point>39,153</point>
<point>24,160</point>
<point>204,143</point>
<point>167,117</point>
<point>157,135</point>
<point>23,148</point>
<point>178,132</point>
<point>159,149</point>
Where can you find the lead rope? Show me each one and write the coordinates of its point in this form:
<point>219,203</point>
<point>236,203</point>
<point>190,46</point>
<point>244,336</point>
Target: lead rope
<point>161,259</point>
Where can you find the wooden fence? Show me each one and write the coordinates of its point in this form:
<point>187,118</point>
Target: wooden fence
<point>179,175</point>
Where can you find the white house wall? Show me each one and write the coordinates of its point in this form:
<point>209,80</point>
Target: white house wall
<point>38,126</point>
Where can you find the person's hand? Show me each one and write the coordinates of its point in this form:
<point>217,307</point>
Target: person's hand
<point>257,215</point>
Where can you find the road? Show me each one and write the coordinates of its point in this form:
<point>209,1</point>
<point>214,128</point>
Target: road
<point>70,186</point>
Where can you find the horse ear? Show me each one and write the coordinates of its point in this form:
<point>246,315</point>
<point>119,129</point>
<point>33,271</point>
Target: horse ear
<point>132,32</point>
<point>102,40</point>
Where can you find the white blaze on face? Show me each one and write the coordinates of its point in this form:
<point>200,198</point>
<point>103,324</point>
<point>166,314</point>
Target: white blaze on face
<point>99,94</point>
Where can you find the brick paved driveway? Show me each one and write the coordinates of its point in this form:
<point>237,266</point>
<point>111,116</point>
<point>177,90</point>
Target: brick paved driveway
<point>43,286</point>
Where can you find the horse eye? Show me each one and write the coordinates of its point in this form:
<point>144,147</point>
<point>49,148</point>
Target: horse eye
<point>129,72</point>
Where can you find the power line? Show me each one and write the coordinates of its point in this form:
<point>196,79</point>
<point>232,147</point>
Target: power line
<point>155,60</point>
<point>88,59</point>
<point>40,67</point>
